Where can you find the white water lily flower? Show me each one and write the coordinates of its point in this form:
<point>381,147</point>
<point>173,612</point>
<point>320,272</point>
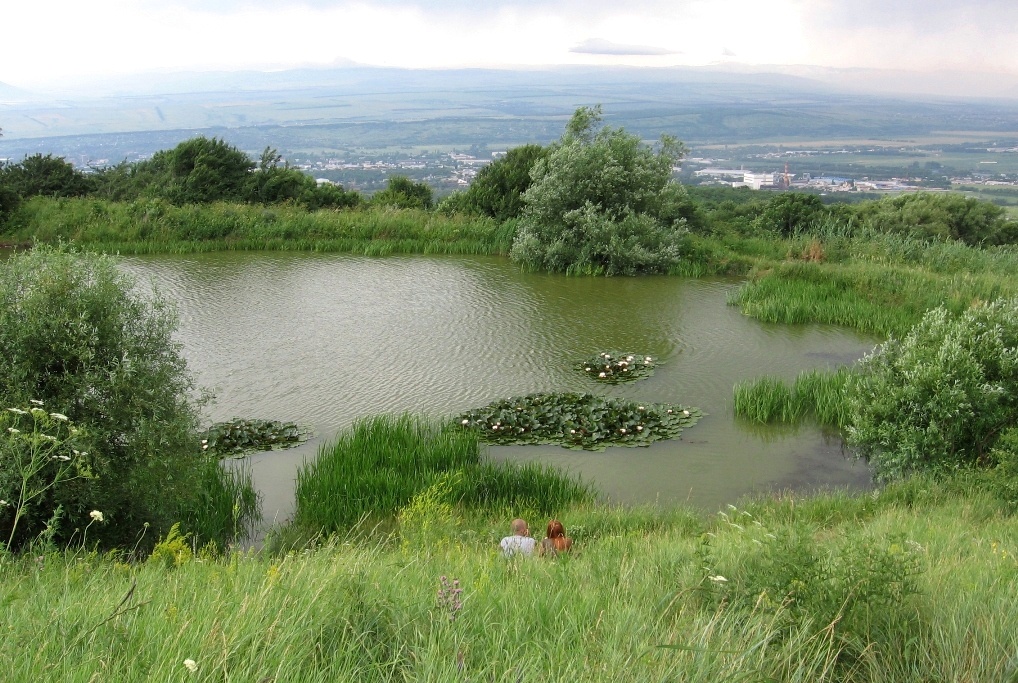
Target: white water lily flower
<point>572,431</point>
<point>601,375</point>
<point>191,665</point>
<point>96,516</point>
<point>629,358</point>
<point>623,430</point>
<point>639,428</point>
<point>586,369</point>
<point>58,416</point>
<point>686,413</point>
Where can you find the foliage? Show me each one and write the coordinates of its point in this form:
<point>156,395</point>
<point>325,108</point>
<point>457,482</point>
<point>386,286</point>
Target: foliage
<point>10,201</point>
<point>940,216</point>
<point>273,184</point>
<point>374,469</point>
<point>788,213</point>
<point>498,189</point>
<point>38,455</point>
<point>861,590</point>
<point>602,202</point>
<point>238,437</point>
<point>814,394</point>
<point>76,334</point>
<point>941,397</point>
<point>578,421</point>
<point>44,175</point>
<point>197,171</point>
<point>616,367</point>
<point>403,193</point>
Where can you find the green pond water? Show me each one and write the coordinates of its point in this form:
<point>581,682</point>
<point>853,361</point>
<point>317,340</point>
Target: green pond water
<point>325,339</point>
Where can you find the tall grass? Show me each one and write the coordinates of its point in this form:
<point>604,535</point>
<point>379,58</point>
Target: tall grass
<point>781,590</point>
<point>375,468</point>
<point>814,394</point>
<point>151,226</point>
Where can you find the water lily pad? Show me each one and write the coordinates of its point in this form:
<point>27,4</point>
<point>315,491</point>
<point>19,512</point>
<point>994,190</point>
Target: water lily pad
<point>616,367</point>
<point>236,438</point>
<point>578,421</point>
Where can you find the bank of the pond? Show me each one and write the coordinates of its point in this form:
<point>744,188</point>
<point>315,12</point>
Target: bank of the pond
<point>913,583</point>
<point>153,226</point>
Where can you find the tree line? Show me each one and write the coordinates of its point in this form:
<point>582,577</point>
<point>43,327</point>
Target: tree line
<point>599,200</point>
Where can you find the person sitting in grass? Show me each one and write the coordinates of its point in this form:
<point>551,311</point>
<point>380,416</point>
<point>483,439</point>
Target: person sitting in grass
<point>555,540</point>
<point>520,542</point>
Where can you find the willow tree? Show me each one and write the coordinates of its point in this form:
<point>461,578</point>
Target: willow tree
<point>602,202</point>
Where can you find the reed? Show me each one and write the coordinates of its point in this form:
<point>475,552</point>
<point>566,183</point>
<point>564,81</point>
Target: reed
<point>151,226</point>
<point>814,394</point>
<point>375,468</point>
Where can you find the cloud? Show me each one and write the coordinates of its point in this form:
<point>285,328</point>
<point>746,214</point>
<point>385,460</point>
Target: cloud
<point>600,46</point>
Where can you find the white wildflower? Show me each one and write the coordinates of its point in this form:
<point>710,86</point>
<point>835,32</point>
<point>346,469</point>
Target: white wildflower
<point>38,411</point>
<point>18,411</point>
<point>466,422</point>
<point>639,428</point>
<point>601,375</point>
<point>718,579</point>
<point>14,430</point>
<point>35,401</point>
<point>96,516</point>
<point>191,665</point>
<point>58,416</point>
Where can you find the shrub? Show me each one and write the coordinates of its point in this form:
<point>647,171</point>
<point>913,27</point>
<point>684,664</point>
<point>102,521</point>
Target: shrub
<point>76,335</point>
<point>942,396</point>
<point>602,202</point>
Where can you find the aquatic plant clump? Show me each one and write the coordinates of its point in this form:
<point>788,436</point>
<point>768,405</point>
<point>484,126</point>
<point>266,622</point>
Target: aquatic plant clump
<point>613,367</point>
<point>578,421</point>
<point>237,437</point>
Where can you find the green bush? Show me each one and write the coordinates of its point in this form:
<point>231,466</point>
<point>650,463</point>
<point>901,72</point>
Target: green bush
<point>76,335</point>
<point>941,397</point>
<point>602,202</point>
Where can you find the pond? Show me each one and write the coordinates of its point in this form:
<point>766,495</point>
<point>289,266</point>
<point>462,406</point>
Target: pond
<point>325,339</point>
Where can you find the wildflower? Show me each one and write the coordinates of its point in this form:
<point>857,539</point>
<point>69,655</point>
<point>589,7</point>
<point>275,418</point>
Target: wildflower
<point>3,503</point>
<point>58,416</point>
<point>623,430</point>
<point>466,422</point>
<point>585,369</point>
<point>572,431</point>
<point>639,407</point>
<point>35,401</point>
<point>18,411</point>
<point>718,579</point>
<point>96,516</point>
<point>63,458</point>
<point>601,375</point>
<point>191,665</point>
<point>639,428</point>
<point>14,430</point>
<point>629,358</point>
<point>647,359</point>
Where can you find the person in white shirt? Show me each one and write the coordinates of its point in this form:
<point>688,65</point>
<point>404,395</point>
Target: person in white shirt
<point>520,542</point>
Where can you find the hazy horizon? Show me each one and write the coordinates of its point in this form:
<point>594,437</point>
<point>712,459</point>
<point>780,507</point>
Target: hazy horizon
<point>947,47</point>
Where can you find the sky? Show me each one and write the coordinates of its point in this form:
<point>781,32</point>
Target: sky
<point>48,43</point>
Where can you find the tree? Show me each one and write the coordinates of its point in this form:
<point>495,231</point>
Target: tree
<point>791,212</point>
<point>273,184</point>
<point>403,193</point>
<point>44,175</point>
<point>498,189</point>
<point>197,171</point>
<point>602,202</point>
<point>940,216</point>
<point>76,335</point>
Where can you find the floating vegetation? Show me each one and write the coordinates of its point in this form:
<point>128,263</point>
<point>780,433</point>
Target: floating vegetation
<point>237,437</point>
<point>578,421</point>
<point>614,367</point>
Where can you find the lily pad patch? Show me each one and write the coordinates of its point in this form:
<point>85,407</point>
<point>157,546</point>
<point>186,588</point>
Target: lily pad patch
<point>615,367</point>
<point>578,421</point>
<point>237,437</point>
